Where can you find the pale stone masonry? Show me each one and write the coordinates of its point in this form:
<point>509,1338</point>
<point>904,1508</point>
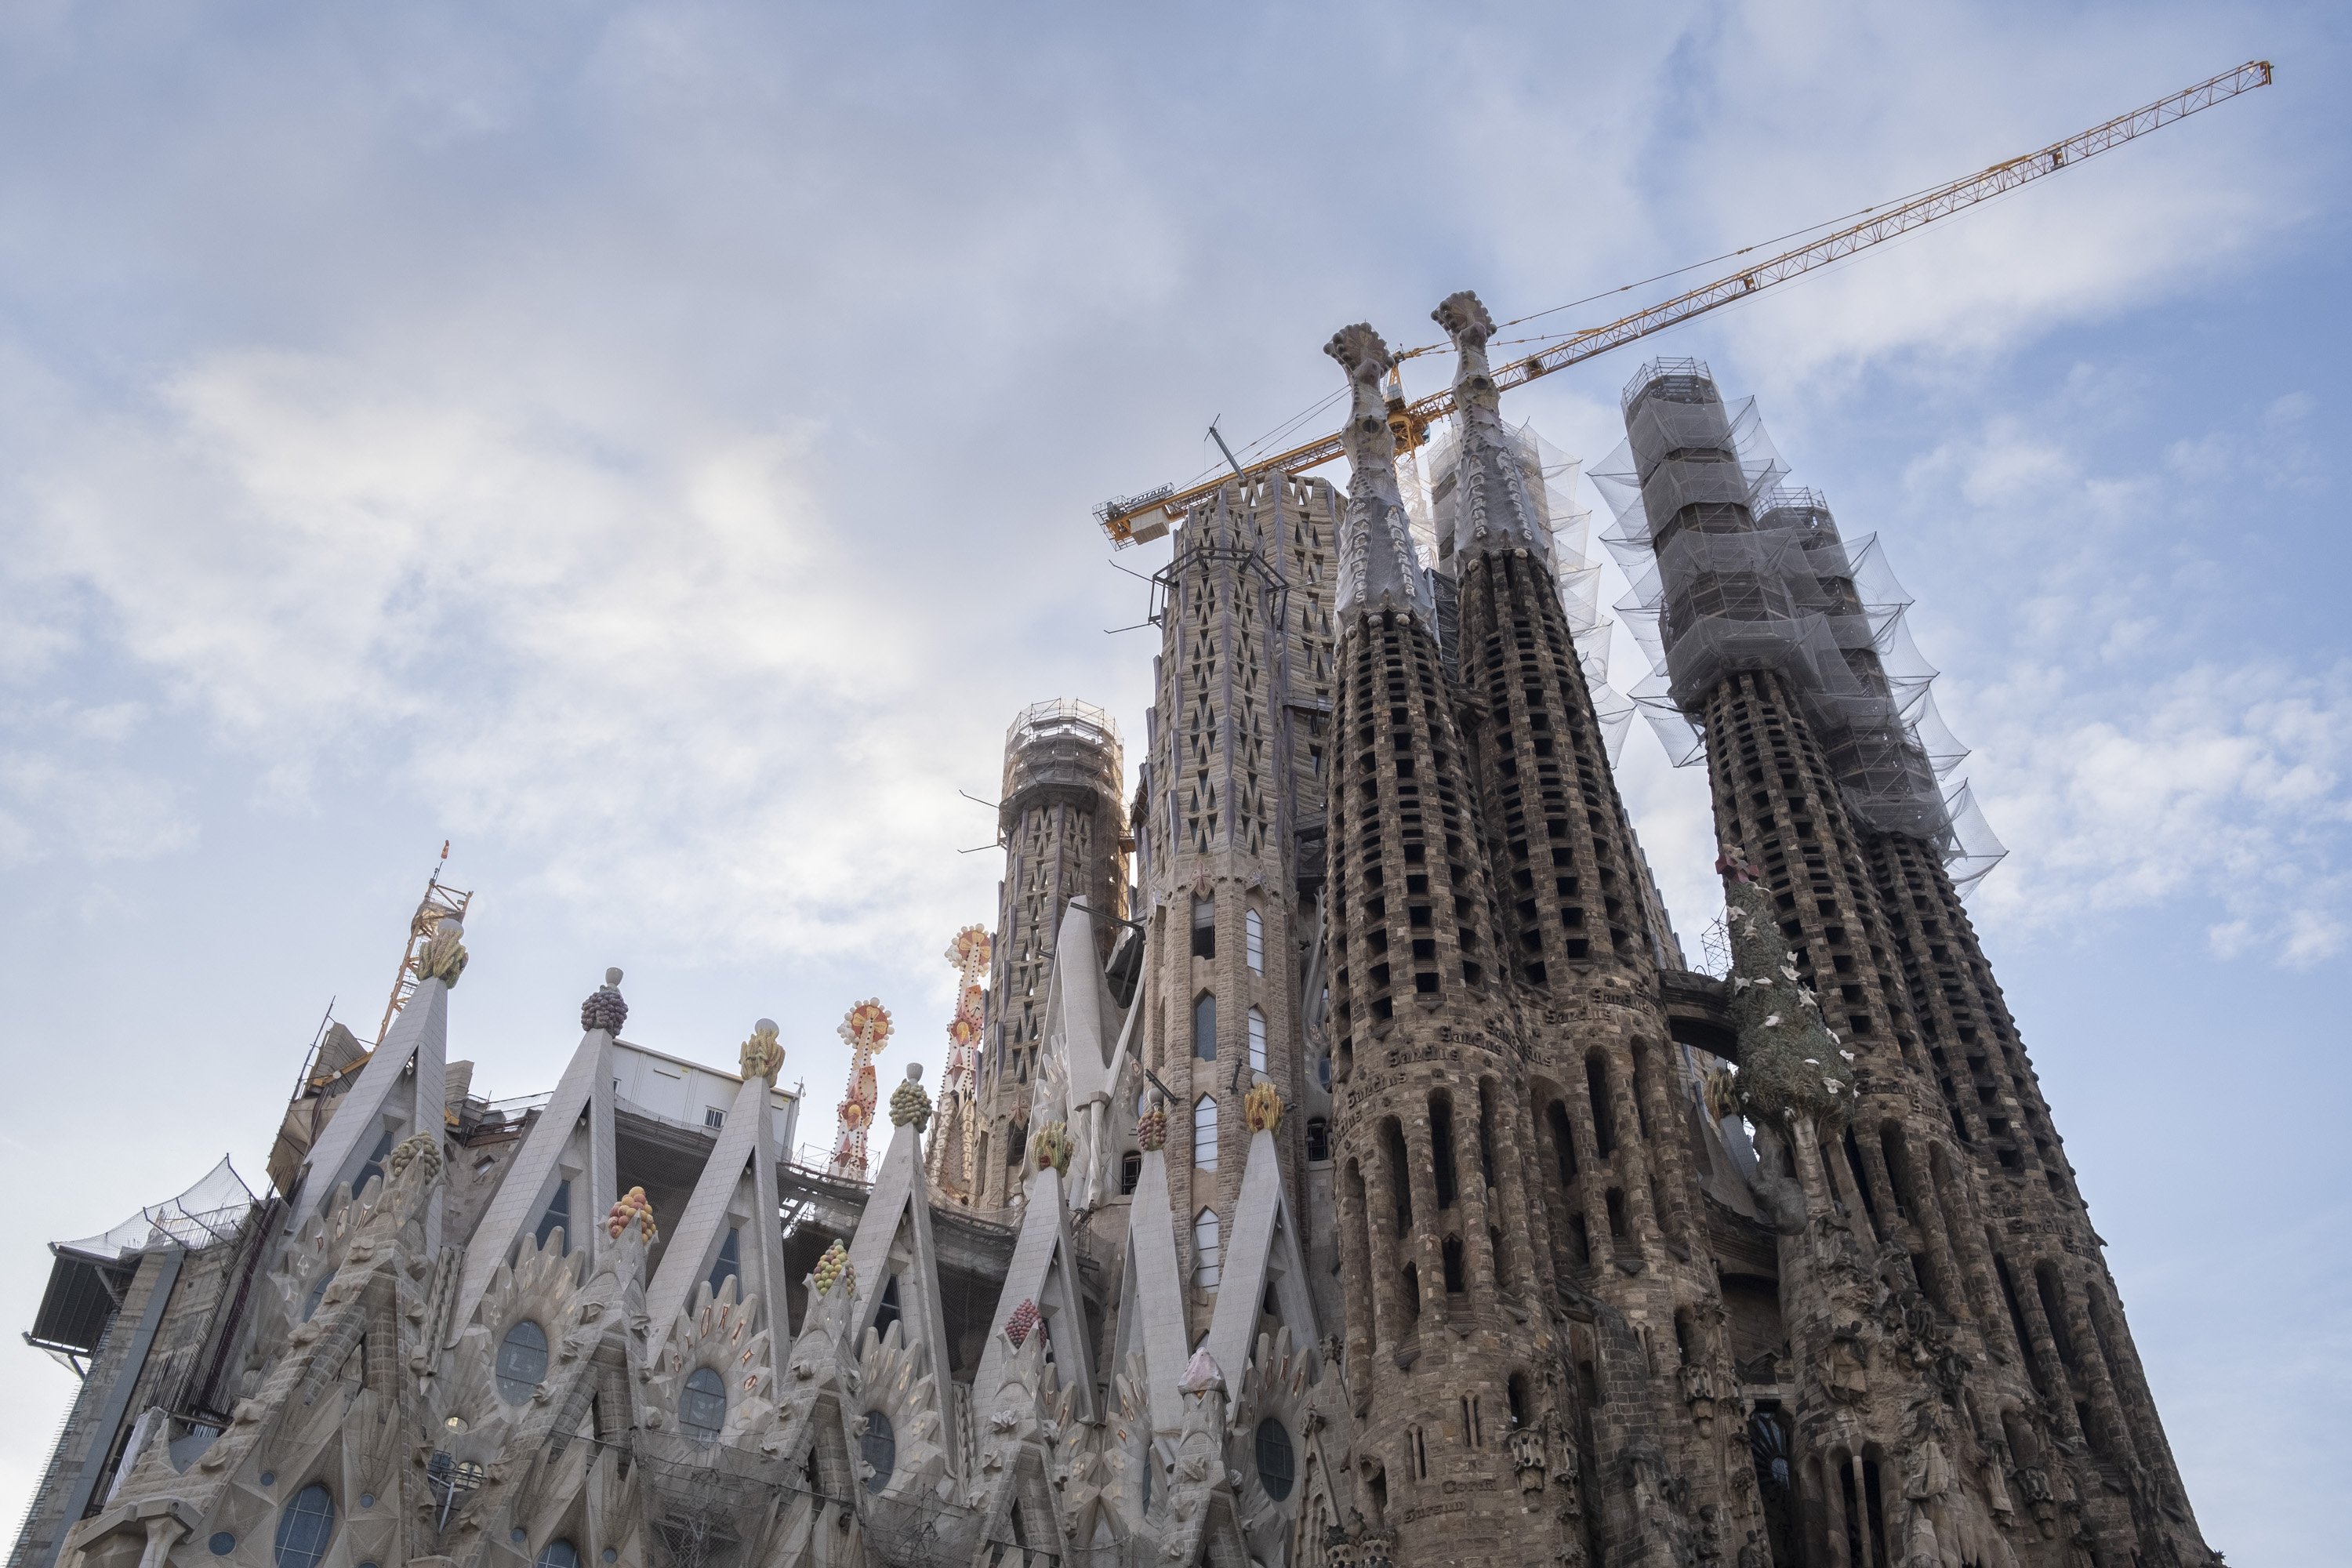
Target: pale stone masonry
<point>1346,1171</point>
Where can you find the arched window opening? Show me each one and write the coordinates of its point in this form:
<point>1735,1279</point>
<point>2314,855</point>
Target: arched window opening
<point>522,1365</point>
<point>1897,1155</point>
<point>317,1293</point>
<point>1278,1464</point>
<point>1861,1174</point>
<point>1502,1258</point>
<point>702,1405</point>
<point>1579,1240</point>
<point>556,1216</point>
<point>1641,1094</point>
<point>1131,1170</point>
<point>1516,1392</point>
<point>1615,1204</point>
<point>1204,1133</point>
<point>729,1264</point>
<point>1398,1173</point>
<point>1769,1447</point>
<point>2054,1307</point>
<point>305,1527</point>
<point>1257,1040</point>
<point>877,1446</point>
<point>1441,1148</point>
<point>1563,1141</point>
<point>1204,927</point>
<point>558,1554</point>
<point>1208,1253</point>
<point>1604,1120</point>
<point>885,1311</point>
<point>1205,1026</point>
<point>1253,941</point>
<point>1412,1276</point>
<point>1485,1133</point>
<point>2016,1317</point>
<point>373,1169</point>
<point>1455,1284</point>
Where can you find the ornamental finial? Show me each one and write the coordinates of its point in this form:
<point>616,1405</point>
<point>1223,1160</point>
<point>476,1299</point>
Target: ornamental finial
<point>605,1009</point>
<point>443,956</point>
<point>908,1104</point>
<point>1261,1107</point>
<point>634,1209</point>
<point>831,1268</point>
<point>762,1055</point>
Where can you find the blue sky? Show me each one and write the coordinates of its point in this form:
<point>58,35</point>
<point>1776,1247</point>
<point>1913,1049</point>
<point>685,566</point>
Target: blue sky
<point>652,447</point>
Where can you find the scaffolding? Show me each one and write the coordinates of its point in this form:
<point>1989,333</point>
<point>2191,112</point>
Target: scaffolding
<point>1732,570</point>
<point>441,903</point>
<point>1550,475</point>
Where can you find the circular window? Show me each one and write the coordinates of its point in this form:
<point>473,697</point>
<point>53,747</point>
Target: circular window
<point>305,1526</point>
<point>522,1361</point>
<point>879,1448</point>
<point>702,1408</point>
<point>367,1500</point>
<point>1277,1464</point>
<point>222,1543</point>
<point>558,1554</point>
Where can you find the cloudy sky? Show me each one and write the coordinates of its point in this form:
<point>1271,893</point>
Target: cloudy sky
<point>651,447</point>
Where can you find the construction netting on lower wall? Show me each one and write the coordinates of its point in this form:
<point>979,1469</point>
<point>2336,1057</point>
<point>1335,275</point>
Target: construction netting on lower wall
<point>1732,570</point>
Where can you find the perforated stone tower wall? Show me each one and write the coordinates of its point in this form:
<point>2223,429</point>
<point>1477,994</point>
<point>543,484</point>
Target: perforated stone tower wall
<point>1063,824</point>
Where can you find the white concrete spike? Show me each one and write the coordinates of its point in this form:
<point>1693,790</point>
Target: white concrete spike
<point>382,1101</point>
<point>1264,1248</point>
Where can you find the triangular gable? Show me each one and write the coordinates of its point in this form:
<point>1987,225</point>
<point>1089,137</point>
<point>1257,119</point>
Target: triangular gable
<point>894,1239</point>
<point>384,1102</point>
<point>1152,1294</point>
<point>1264,1250</point>
<point>736,1190</point>
<point>572,1140</point>
<point>1044,1270</point>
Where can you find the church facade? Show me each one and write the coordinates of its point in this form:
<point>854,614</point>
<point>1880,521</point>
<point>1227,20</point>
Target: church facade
<point>1336,1160</point>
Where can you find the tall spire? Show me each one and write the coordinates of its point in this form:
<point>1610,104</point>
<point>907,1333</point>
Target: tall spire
<point>1377,565</point>
<point>1493,510</point>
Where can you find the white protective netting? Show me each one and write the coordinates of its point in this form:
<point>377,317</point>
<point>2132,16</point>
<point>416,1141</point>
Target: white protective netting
<point>1732,570</point>
<point>1551,476</point>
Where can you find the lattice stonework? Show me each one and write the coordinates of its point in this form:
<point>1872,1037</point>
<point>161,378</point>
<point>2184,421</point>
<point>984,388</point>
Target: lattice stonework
<point>866,1030</point>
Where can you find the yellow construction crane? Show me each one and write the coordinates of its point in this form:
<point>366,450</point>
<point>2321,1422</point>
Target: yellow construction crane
<point>1134,519</point>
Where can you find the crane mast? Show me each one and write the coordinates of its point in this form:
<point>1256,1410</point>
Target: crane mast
<point>1134,519</point>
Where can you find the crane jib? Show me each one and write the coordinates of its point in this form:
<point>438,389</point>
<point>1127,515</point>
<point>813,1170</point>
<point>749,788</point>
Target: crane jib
<point>1119,518</point>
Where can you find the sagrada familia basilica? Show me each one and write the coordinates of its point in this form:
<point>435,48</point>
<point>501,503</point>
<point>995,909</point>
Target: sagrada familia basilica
<point>1336,1160</point>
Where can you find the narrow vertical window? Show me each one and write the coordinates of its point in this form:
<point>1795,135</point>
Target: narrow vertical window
<point>1253,940</point>
<point>556,1218</point>
<point>1207,1253</point>
<point>729,1264</point>
<point>1204,1133</point>
<point>1257,1040</point>
<point>1205,1026</point>
<point>1204,928</point>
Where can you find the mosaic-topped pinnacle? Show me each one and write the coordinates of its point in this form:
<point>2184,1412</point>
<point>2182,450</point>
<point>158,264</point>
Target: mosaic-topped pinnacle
<point>1377,566</point>
<point>612,977</point>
